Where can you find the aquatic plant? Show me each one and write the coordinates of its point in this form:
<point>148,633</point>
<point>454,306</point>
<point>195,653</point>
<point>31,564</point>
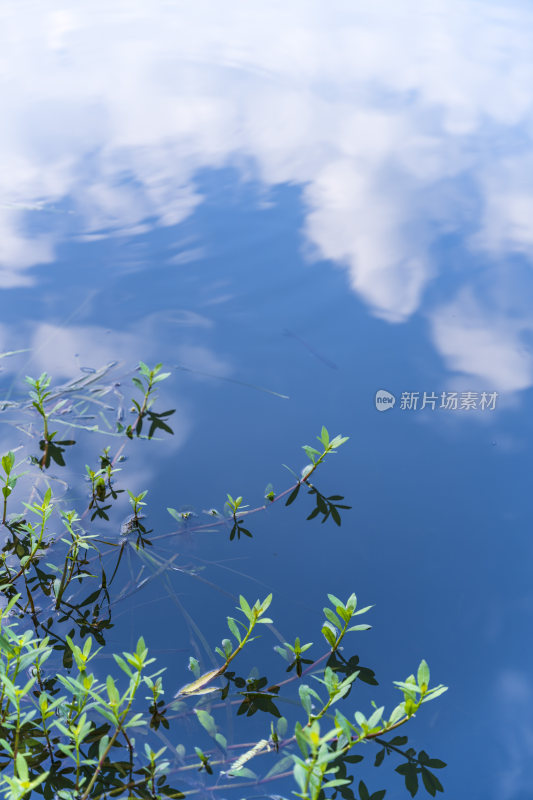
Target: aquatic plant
<point>67,731</point>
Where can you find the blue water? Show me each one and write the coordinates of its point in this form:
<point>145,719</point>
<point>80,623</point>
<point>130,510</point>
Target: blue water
<point>317,203</point>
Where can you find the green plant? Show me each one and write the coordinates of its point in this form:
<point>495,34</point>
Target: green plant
<point>233,507</point>
<point>146,385</point>
<point>70,729</point>
<point>102,488</point>
<point>136,502</point>
<point>10,480</point>
<point>40,394</point>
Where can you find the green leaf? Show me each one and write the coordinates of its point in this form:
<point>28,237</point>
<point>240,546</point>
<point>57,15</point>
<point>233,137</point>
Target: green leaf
<point>363,791</point>
<point>344,613</point>
<point>280,766</point>
<point>423,673</point>
<point>111,689</point>
<point>206,721</point>
<point>333,618</point>
<point>435,763</point>
<point>362,610</point>
<point>311,453</point>
<point>376,717</point>
<point>8,461</point>
<point>431,782</point>
<point>301,740</point>
<point>336,782</point>
<point>335,600</point>
<point>266,603</point>
<point>22,767</point>
<point>306,693</point>
<point>244,772</point>
<point>329,636</point>
<point>399,741</point>
<point>122,664</point>
<point>433,693</point>
<point>5,646</point>
<point>245,608</point>
<point>410,775</point>
<point>397,714</point>
<point>337,441</point>
<point>360,719</point>
<point>232,625</point>
<point>293,495</point>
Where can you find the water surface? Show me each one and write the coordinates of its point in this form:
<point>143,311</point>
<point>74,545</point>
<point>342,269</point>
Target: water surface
<point>294,207</point>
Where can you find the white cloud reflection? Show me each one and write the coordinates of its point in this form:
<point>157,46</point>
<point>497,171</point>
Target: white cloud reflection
<point>484,343</point>
<point>383,114</point>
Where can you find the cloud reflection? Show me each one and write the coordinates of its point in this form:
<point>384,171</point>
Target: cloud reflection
<point>385,115</point>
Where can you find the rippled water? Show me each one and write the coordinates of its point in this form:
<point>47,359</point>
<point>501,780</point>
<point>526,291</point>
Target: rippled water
<point>293,206</point>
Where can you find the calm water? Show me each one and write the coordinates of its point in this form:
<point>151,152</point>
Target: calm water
<point>321,201</point>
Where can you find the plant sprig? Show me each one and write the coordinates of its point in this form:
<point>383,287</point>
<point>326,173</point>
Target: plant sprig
<point>147,386</point>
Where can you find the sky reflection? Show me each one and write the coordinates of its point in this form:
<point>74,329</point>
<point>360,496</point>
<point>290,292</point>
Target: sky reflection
<point>313,202</point>
<point>398,125</point>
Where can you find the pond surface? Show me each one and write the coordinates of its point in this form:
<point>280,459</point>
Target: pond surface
<point>312,215</point>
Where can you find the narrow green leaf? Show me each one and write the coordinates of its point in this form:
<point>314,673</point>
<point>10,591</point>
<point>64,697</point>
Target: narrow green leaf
<point>436,763</point>
<point>397,713</point>
<point>311,453</point>
<point>293,495</point>
<point>206,721</point>
<point>362,610</point>
<point>376,717</point>
<point>332,618</point>
<point>122,664</point>
<point>232,625</point>
<point>433,693</point>
<point>335,601</point>
<point>305,697</point>
<point>328,635</point>
<point>245,608</point>
<point>324,437</point>
<point>22,767</point>
<point>363,791</point>
<point>431,782</point>
<point>423,673</point>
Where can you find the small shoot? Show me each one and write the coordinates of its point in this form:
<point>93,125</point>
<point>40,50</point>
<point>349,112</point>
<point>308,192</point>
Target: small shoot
<point>9,479</point>
<point>337,622</point>
<point>327,506</point>
<point>146,383</point>
<point>233,506</point>
<point>293,654</point>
